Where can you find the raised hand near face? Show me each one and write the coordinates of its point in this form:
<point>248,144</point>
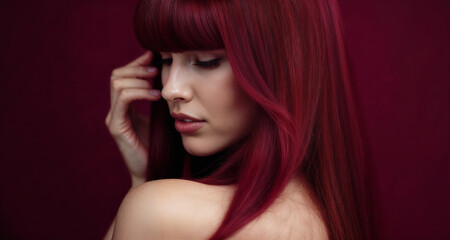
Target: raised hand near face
<point>130,129</point>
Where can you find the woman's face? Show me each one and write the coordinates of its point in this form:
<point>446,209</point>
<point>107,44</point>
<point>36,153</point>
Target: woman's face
<point>210,109</point>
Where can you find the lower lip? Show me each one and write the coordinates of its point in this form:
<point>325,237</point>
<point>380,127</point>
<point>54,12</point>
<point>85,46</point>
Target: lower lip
<point>188,127</point>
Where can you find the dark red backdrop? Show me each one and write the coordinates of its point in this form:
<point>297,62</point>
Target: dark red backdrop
<point>61,176</point>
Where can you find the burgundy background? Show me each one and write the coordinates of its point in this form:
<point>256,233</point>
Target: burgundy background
<point>61,176</point>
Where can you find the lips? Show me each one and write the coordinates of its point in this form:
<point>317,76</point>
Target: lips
<point>186,124</point>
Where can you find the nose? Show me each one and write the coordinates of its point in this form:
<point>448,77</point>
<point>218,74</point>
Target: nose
<point>176,86</point>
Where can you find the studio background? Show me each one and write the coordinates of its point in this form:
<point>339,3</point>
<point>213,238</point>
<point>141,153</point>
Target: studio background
<point>62,177</point>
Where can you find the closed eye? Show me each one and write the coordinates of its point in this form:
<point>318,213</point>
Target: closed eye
<point>208,64</point>
<point>201,64</point>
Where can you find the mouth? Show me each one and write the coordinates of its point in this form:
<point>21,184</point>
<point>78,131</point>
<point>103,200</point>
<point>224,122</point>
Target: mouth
<point>187,120</point>
<point>186,124</point>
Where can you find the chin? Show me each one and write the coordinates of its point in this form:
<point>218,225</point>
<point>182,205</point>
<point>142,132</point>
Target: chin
<point>201,148</point>
<point>199,152</point>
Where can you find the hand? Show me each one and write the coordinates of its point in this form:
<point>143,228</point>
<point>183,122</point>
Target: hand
<point>129,128</point>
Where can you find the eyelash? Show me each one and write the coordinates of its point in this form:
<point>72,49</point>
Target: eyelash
<point>201,64</point>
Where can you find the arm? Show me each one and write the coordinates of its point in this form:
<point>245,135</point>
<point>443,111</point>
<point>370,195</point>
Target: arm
<point>171,209</point>
<point>109,233</point>
<point>128,128</point>
<point>135,215</point>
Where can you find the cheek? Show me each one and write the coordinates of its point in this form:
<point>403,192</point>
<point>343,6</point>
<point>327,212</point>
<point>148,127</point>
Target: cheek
<point>231,109</point>
<point>244,111</point>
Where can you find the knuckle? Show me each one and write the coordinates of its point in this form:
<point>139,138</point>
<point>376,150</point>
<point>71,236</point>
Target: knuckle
<point>125,95</point>
<point>115,72</point>
<point>126,92</point>
<point>116,84</point>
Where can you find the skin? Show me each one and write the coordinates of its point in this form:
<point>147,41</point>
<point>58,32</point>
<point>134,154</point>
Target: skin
<point>128,128</point>
<point>201,84</point>
<point>181,209</point>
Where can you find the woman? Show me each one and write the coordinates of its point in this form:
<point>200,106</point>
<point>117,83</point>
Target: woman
<point>254,137</point>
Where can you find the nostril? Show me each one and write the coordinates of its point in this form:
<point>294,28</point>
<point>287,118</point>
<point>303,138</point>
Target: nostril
<point>176,92</point>
<point>172,96</point>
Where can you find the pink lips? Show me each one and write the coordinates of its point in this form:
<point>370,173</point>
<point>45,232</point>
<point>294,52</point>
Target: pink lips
<point>187,124</point>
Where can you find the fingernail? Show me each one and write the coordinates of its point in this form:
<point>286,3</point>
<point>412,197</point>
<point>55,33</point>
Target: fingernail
<point>151,69</point>
<point>155,92</point>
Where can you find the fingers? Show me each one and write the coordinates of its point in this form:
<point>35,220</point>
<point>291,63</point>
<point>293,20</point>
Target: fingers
<point>143,72</point>
<point>142,60</point>
<point>119,86</point>
<point>129,83</point>
<point>118,112</point>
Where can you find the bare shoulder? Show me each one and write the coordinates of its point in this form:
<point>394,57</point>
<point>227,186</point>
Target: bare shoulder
<point>294,215</point>
<point>181,209</point>
<point>172,209</point>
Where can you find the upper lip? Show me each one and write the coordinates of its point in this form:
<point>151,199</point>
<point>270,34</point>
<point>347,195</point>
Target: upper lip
<point>185,116</point>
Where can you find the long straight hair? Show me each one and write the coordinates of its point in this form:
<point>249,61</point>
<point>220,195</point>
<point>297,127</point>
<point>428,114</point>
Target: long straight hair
<point>289,57</point>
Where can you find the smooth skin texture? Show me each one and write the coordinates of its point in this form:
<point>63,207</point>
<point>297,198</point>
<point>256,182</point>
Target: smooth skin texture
<point>128,128</point>
<point>181,209</point>
<point>201,84</point>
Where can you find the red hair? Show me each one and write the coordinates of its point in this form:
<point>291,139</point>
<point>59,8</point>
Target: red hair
<point>289,57</point>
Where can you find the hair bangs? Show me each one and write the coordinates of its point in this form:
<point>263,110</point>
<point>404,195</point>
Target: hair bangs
<point>176,25</point>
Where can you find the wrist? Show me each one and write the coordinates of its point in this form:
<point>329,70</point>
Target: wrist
<point>136,181</point>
